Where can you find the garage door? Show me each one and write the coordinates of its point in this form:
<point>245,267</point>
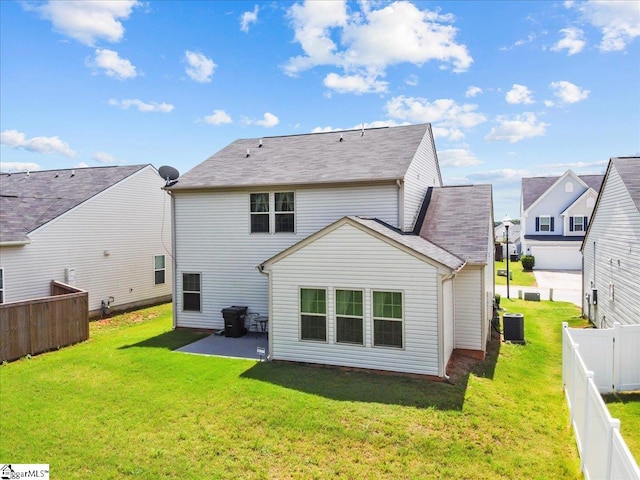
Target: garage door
<point>557,257</point>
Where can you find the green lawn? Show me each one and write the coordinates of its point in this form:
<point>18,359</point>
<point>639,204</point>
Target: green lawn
<point>520,277</point>
<point>124,405</point>
<point>626,407</point>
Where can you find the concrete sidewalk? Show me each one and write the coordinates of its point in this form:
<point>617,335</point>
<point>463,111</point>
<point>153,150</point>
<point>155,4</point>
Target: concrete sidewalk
<point>565,286</point>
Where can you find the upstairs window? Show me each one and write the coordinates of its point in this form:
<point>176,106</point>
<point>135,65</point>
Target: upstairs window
<point>578,223</point>
<point>259,213</point>
<point>544,224</point>
<point>313,314</point>
<point>191,292</point>
<point>387,319</point>
<point>159,269</point>
<point>285,212</point>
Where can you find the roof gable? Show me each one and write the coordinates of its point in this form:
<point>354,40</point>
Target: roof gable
<point>30,200</point>
<point>585,194</point>
<point>371,155</point>
<point>629,170</point>
<point>461,218</point>
<point>533,189</point>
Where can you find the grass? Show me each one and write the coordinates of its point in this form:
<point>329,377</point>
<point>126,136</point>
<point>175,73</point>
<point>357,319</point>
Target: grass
<point>626,407</point>
<point>520,277</point>
<point>124,405</point>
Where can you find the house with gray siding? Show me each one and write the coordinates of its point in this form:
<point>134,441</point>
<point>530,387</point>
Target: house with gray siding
<point>554,215</point>
<point>106,230</point>
<point>326,235</point>
<point>611,248</point>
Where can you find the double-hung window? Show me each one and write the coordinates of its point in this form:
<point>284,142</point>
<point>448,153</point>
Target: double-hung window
<point>191,292</point>
<point>159,269</point>
<point>259,212</point>
<point>544,223</point>
<point>349,317</point>
<point>313,314</point>
<point>387,319</point>
<point>285,212</point>
<point>578,223</point>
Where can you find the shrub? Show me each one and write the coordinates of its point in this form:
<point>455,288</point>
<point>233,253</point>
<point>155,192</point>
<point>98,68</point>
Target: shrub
<point>528,262</point>
<point>497,299</point>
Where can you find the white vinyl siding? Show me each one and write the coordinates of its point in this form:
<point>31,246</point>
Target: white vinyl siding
<point>348,258</point>
<point>615,229</point>
<point>212,236</point>
<point>423,172</point>
<point>469,308</point>
<point>109,241</point>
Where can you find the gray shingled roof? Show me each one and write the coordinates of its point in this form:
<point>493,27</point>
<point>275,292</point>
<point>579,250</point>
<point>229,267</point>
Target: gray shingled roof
<point>629,170</point>
<point>460,219</point>
<point>381,154</point>
<point>28,201</point>
<point>534,187</point>
<point>414,242</point>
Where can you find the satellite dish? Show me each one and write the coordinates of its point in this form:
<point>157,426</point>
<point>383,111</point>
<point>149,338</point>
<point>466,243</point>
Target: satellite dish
<point>169,174</point>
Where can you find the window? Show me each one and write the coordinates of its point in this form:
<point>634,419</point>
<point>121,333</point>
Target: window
<point>259,213</point>
<point>1,285</point>
<point>387,319</point>
<point>191,292</point>
<point>568,187</point>
<point>349,317</point>
<point>578,223</point>
<point>285,212</point>
<point>313,314</point>
<point>544,224</point>
<point>159,269</point>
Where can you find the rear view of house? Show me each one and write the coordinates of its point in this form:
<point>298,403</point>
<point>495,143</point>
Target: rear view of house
<point>106,230</point>
<point>611,248</point>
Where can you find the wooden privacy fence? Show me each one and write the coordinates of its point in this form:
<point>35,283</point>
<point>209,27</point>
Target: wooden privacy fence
<point>603,452</point>
<point>43,324</point>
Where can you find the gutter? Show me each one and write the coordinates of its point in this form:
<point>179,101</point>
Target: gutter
<point>15,243</point>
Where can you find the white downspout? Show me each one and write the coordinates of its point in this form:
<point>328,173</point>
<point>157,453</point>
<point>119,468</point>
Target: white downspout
<point>174,287</point>
<point>400,185</point>
<point>261,269</point>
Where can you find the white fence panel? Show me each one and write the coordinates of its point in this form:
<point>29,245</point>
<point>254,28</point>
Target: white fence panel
<point>597,445</point>
<point>627,357</point>
<point>622,464</point>
<point>596,350</point>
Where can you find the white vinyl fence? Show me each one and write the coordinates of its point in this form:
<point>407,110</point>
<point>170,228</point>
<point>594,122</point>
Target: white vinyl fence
<point>603,452</point>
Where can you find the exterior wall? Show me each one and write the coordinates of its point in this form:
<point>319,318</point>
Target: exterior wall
<point>615,258</point>
<point>350,258</point>
<point>469,309</point>
<point>421,174</point>
<point>131,220</point>
<point>212,235</point>
<point>583,207</point>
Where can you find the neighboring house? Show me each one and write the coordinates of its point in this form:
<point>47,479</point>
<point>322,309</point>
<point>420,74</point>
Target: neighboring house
<point>611,248</point>
<point>555,213</point>
<point>515,246</point>
<point>106,230</point>
<point>347,210</point>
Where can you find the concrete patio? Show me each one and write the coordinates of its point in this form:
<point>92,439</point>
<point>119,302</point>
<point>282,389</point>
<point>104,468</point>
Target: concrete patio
<point>221,346</point>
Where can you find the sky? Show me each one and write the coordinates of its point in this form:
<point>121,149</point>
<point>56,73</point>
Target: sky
<point>512,88</point>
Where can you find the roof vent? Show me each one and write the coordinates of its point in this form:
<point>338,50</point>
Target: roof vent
<point>362,132</point>
<point>73,173</point>
<point>248,153</point>
<point>341,139</point>
<point>260,144</point>
<point>57,174</point>
<point>28,174</point>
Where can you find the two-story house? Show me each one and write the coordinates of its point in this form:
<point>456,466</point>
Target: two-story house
<point>555,214</point>
<point>106,230</point>
<point>611,248</point>
<point>343,240</point>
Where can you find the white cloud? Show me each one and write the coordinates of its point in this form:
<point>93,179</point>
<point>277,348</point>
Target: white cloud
<point>106,158</point>
<point>85,21</point>
<point>81,165</point>
<point>619,22</point>
<point>518,43</point>
<point>573,41</point>
<point>141,106</point>
<point>504,175</point>
<point>519,94</point>
<point>575,165</point>
<point>218,117</point>
<point>10,167</point>
<point>247,18</point>
<point>412,80</point>
<point>472,91</point>
<point>567,92</point>
<point>15,139</point>
<point>268,120</point>
<point>517,128</point>
<point>200,67</point>
<point>112,64</point>
<point>364,43</point>
<point>447,117</point>
<point>457,157</point>
<point>354,84</point>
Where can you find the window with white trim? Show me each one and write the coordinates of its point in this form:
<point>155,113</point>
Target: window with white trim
<point>349,317</point>
<point>159,269</point>
<point>1,285</point>
<point>259,212</point>
<point>578,223</point>
<point>544,223</point>
<point>313,314</point>
<point>191,292</point>
<point>284,212</point>
<point>568,187</point>
<point>387,319</point>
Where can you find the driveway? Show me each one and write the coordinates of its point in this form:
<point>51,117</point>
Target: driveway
<point>566,285</point>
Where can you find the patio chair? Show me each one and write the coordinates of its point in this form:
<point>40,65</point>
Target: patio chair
<point>251,322</point>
